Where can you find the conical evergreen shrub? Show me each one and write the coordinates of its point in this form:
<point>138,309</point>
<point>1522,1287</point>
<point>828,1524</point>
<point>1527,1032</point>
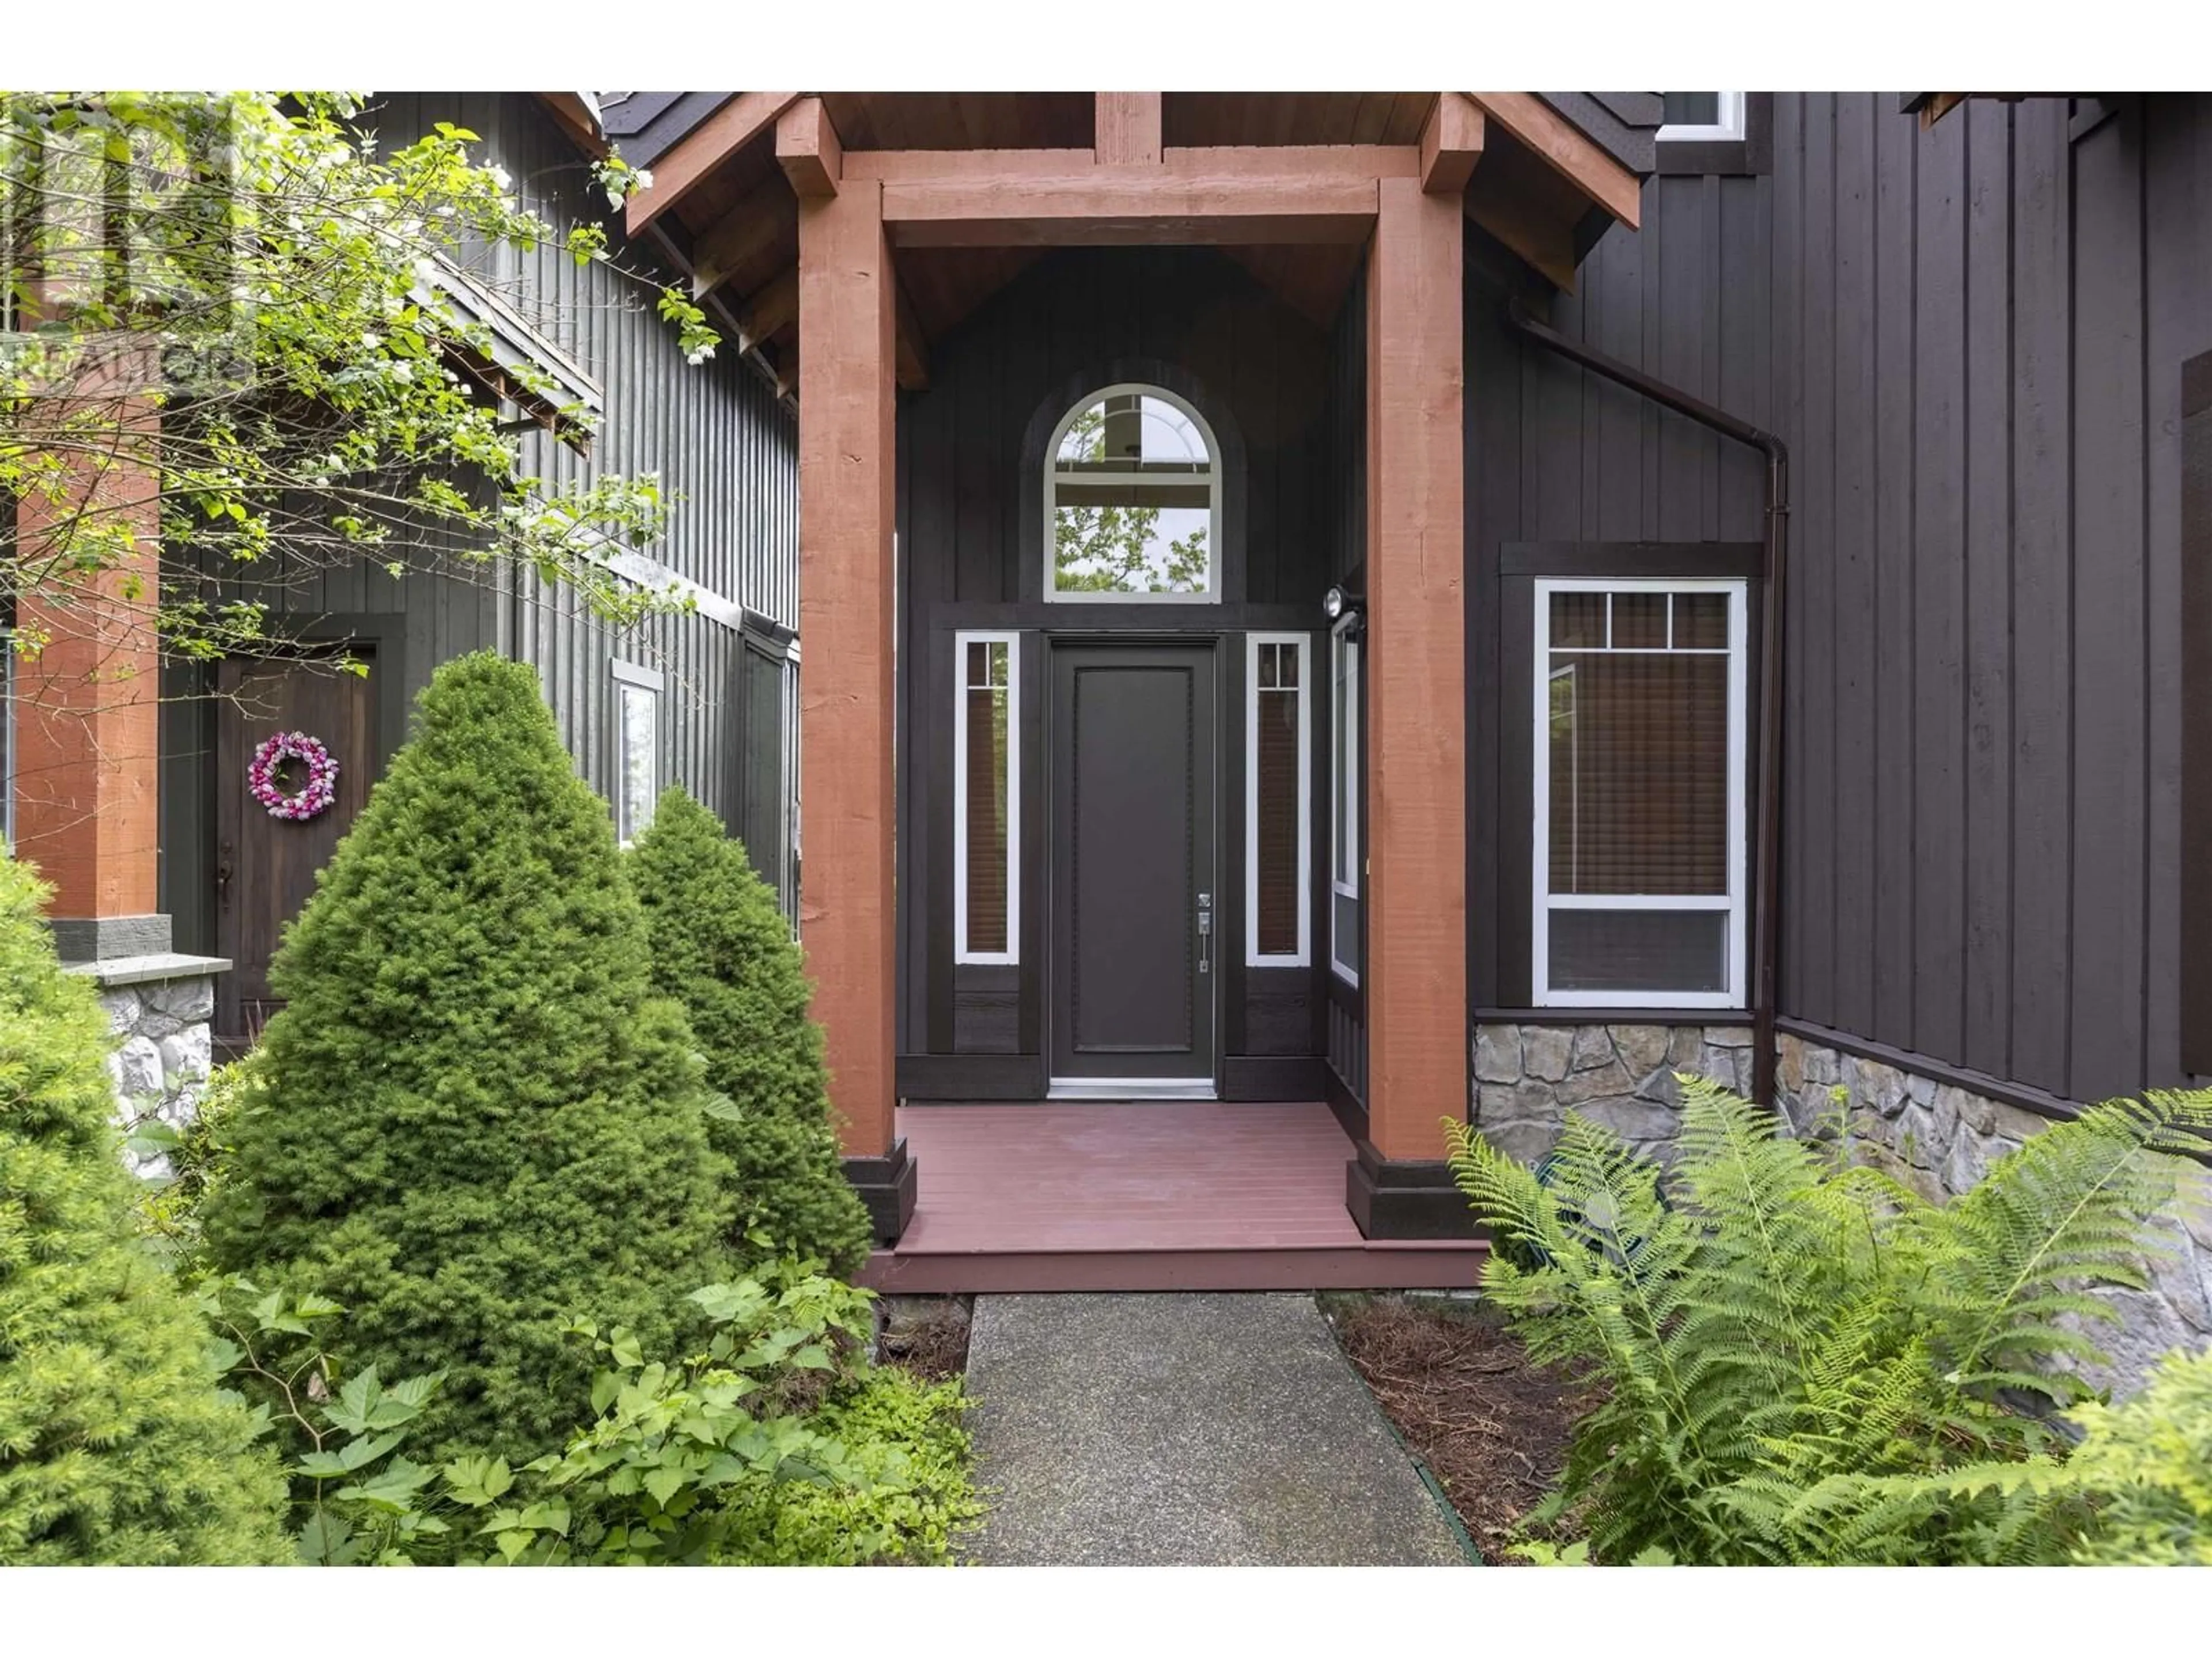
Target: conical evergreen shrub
<point>478,1120</point>
<point>722,948</point>
<point>115,1445</point>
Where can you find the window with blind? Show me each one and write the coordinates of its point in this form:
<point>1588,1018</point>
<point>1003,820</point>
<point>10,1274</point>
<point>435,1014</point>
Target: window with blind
<point>1278,825</point>
<point>1343,752</point>
<point>987,782</point>
<point>1639,793</point>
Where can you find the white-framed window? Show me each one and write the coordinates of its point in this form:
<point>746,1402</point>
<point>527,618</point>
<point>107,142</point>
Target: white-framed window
<point>1706,117</point>
<point>1277,803</point>
<point>1344,750</point>
<point>986,774</point>
<point>637,747</point>
<point>1133,500</point>
<point>1639,857</point>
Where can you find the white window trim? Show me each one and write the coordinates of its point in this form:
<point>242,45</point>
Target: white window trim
<point>1254,956</point>
<point>961,640</point>
<point>1542,994</point>
<point>1212,594</point>
<point>1344,827</point>
<point>645,679</point>
<point>1730,127</point>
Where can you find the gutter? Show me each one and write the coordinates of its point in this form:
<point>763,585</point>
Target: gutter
<point>1767,905</point>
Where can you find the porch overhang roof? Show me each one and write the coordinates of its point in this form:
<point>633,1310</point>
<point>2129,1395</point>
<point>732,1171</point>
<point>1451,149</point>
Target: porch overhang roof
<point>975,185</point>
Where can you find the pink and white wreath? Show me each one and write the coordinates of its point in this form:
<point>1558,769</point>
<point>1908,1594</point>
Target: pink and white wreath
<point>313,797</point>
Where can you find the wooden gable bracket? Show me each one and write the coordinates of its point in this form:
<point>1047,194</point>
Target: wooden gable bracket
<point>700,151</point>
<point>1451,144</point>
<point>739,236</point>
<point>1561,146</point>
<point>768,310</point>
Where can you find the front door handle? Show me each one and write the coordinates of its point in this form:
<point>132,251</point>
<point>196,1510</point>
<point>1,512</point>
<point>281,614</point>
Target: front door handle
<point>1206,932</point>
<point>222,878</point>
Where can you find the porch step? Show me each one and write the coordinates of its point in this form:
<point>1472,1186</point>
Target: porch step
<point>1367,1267</point>
<point>1068,1195</point>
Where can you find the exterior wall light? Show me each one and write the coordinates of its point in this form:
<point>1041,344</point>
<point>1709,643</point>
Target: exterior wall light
<point>1340,603</point>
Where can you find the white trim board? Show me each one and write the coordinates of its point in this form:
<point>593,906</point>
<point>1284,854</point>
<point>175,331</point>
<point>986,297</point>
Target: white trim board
<point>961,640</point>
<point>1254,956</point>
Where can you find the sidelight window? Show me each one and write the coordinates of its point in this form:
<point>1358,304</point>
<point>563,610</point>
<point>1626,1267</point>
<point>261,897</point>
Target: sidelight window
<point>1639,866</point>
<point>1344,751</point>
<point>1133,500</point>
<point>986,801</point>
<point>637,749</point>
<point>1278,788</point>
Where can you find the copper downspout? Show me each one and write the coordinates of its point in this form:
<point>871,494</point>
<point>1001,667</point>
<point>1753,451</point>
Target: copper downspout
<point>1767,906</point>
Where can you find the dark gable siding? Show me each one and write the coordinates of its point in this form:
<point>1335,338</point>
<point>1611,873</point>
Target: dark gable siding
<point>1555,455</point>
<point>1972,338</point>
<point>727,453</point>
<point>1984,409</point>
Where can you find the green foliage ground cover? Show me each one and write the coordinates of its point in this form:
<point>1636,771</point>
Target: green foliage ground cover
<point>1806,1362</point>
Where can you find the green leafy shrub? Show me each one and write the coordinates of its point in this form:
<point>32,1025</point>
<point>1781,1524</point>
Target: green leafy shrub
<point>722,948</point>
<point>779,1443</point>
<point>2136,1492</point>
<point>476,1119</point>
<point>115,1443</point>
<point>170,1207</point>
<point>1792,1345</point>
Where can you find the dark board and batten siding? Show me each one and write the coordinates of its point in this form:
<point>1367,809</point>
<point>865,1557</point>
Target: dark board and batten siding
<point>1971,337</point>
<point>969,516</point>
<point>1978,332</point>
<point>1580,476</point>
<point>726,452</point>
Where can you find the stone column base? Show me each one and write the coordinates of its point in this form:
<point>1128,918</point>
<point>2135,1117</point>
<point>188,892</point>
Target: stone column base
<point>159,1007</point>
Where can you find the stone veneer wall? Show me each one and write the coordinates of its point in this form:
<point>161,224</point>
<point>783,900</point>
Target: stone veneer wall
<point>1528,1077</point>
<point>1940,1138</point>
<point>159,1010</point>
<point>1937,1137</point>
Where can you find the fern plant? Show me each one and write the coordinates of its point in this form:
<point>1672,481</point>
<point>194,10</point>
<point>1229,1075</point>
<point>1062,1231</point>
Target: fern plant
<point>1795,1345</point>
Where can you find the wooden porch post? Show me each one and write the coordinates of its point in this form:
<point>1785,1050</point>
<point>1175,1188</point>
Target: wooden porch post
<point>847,314</point>
<point>1415,662</point>
<point>88,712</point>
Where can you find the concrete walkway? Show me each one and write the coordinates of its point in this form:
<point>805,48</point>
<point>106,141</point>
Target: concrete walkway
<point>1193,1430</point>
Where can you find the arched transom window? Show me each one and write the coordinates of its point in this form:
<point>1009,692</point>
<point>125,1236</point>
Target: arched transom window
<point>1133,500</point>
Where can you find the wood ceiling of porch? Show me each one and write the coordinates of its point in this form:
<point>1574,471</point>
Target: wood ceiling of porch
<point>730,216</point>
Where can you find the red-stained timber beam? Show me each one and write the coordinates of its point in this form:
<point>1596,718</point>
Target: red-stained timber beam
<point>1415,661</point>
<point>847,322</point>
<point>88,728</point>
<point>1451,144</point>
<point>806,145</point>
<point>1116,207</point>
<point>1127,128</point>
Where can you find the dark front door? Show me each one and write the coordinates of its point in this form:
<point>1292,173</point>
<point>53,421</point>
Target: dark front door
<point>264,866</point>
<point>1136,949</point>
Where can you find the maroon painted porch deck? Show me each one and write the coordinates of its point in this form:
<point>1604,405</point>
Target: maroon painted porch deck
<point>1181,1195</point>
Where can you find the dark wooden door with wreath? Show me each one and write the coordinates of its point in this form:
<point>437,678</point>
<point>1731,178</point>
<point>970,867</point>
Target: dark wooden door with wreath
<point>265,863</point>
